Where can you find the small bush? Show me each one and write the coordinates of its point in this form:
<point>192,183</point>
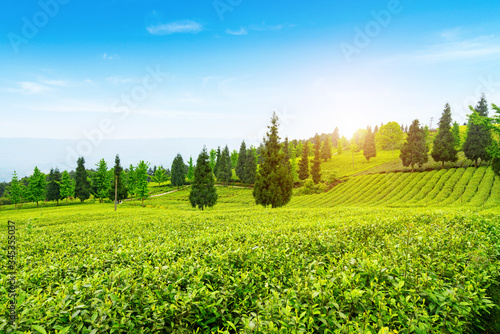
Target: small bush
<point>5,201</point>
<point>311,188</point>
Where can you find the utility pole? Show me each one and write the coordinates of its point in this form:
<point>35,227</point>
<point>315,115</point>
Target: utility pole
<point>116,192</point>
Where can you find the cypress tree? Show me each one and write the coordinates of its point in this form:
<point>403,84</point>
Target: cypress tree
<point>225,170</point>
<point>240,165</point>
<point>335,137</point>
<point>203,192</point>
<point>53,186</point>
<point>250,167</point>
<point>444,143</point>
<point>217,162</point>
<point>273,184</point>
<point>178,177</point>
<point>190,174</point>
<point>304,164</point>
<point>415,149</point>
<point>369,147</point>
<point>82,186</point>
<point>326,150</point>
<point>122,188</point>
<point>316,167</point>
<point>456,135</point>
<point>478,135</point>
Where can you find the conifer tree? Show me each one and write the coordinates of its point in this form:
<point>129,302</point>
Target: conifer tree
<point>67,186</point>
<point>82,185</point>
<point>316,167</point>
<point>444,142</point>
<point>203,192</point>
<point>234,159</point>
<point>213,158</point>
<point>326,150</point>
<point>225,170</point>
<point>304,164</point>
<point>53,186</point>
<point>190,174</point>
<point>415,149</point>
<point>102,181</point>
<point>273,183</point>
<point>250,167</point>
<point>217,162</point>
<point>335,137</point>
<point>293,164</point>
<point>240,165</point>
<point>369,147</point>
<point>118,174</point>
<point>36,186</point>
<point>456,135</point>
<point>15,190</point>
<point>178,173</point>
<point>478,136</point>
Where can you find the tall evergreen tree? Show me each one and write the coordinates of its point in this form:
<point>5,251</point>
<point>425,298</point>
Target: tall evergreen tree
<point>234,159</point>
<point>375,130</point>
<point>456,135</point>
<point>293,164</point>
<point>53,186</point>
<point>240,165</point>
<point>178,177</point>
<point>36,186</point>
<point>101,181</point>
<point>335,137</point>
<point>118,174</point>
<point>286,153</point>
<point>273,184</point>
<point>190,174</point>
<point>217,162</point>
<point>225,171</point>
<point>316,167</point>
<point>250,169</point>
<point>326,150</point>
<point>369,147</point>
<point>415,149</point>
<point>67,186</point>
<point>304,164</point>
<point>213,159</point>
<point>478,135</point>
<point>444,142</point>
<point>142,180</point>
<point>82,185</point>
<point>15,190</point>
<point>203,192</point>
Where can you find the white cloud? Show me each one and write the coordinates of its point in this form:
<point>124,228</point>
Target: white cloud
<point>242,31</point>
<point>186,26</point>
<point>60,83</point>
<point>117,80</point>
<point>109,57</point>
<point>29,88</point>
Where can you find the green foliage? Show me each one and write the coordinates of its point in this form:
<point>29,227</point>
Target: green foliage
<point>178,173</point>
<point>36,186</point>
<point>415,149</point>
<point>16,190</point>
<point>456,135</point>
<point>250,167</point>
<point>190,174</point>
<point>203,192</point>
<point>234,159</point>
<point>53,186</point>
<point>335,137</point>
<point>274,183</point>
<point>102,179</point>
<point>293,165</point>
<point>67,186</point>
<point>217,162</point>
<point>118,174</point>
<point>240,165</point>
<point>225,167</point>
<point>369,147</point>
<point>132,180</point>
<point>141,174</point>
<point>326,149</point>
<point>304,164</point>
<point>389,136</point>
<point>82,181</point>
<point>316,167</point>
<point>310,188</point>
<point>478,135</point>
<point>359,138</point>
<point>443,149</point>
<point>340,148</point>
<point>161,176</point>
<point>213,159</point>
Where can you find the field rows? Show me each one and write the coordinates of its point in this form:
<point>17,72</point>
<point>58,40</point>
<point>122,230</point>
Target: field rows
<point>444,187</point>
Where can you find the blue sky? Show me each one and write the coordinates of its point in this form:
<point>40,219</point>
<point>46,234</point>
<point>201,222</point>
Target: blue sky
<point>68,67</point>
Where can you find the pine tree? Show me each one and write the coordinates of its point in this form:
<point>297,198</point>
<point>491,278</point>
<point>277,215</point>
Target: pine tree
<point>118,174</point>
<point>444,142</point>
<point>369,147</point>
<point>190,174</point>
<point>82,186</point>
<point>203,192</point>
<point>326,150</point>
<point>304,164</point>
<point>415,149</point>
<point>478,135</point>
<point>456,135</point>
<point>286,153</point>
<point>240,165</point>
<point>67,186</point>
<point>53,186</point>
<point>217,162</point>
<point>234,159</point>
<point>375,130</point>
<point>36,186</point>
<point>273,184</point>
<point>316,167</point>
<point>335,137</point>
<point>15,190</point>
<point>102,181</point>
<point>178,177</point>
<point>250,167</point>
<point>225,171</point>
<point>293,164</point>
<point>141,173</point>
<point>213,158</point>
